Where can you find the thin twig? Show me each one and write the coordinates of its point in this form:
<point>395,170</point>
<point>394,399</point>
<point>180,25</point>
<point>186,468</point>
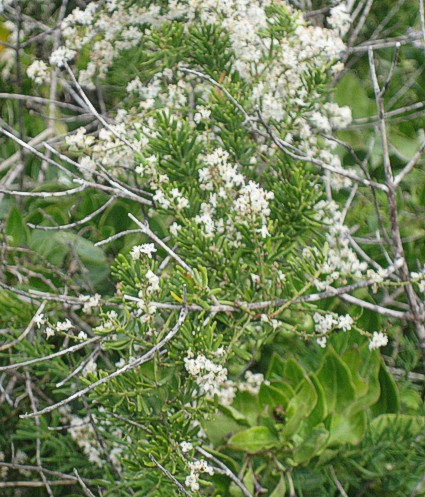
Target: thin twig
<point>145,229</point>
<point>128,367</point>
<point>170,476</point>
<point>69,350</point>
<point>27,330</point>
<point>86,219</point>
<point>337,482</point>
<point>226,471</point>
<point>85,488</point>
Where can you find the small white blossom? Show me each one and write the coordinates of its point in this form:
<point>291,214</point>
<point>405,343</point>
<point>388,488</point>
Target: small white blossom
<point>186,446</point>
<point>61,56</point>
<point>64,325</point>
<point>201,114</point>
<point>39,320</point>
<point>175,228</point>
<point>49,332</point>
<point>153,282</point>
<point>147,249</point>
<point>340,19</point>
<point>196,468</point>
<point>378,340</point>
<point>90,302</point>
<point>345,322</point>
<point>38,72</point>
<point>253,383</point>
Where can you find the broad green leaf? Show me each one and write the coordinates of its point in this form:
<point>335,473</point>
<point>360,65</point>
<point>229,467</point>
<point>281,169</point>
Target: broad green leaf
<point>312,446</point>
<point>364,367</point>
<point>233,413</point>
<point>350,91</point>
<point>300,406</point>
<point>336,381</point>
<point>345,428</point>
<point>280,489</point>
<point>253,440</point>
<point>276,367</point>
<point>276,394</point>
<point>320,410</point>
<point>16,227</point>
<point>389,399</point>
<point>248,406</point>
<point>219,428</point>
<point>293,373</point>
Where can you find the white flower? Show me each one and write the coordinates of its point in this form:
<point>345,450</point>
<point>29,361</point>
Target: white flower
<point>253,383</point>
<point>345,322</point>
<point>175,228</point>
<point>324,323</point>
<point>64,325</point>
<point>50,332</point>
<point>62,55</point>
<point>82,335</point>
<point>186,446</point>
<point>90,302</point>
<point>340,19</point>
<point>322,341</point>
<point>196,468</point>
<point>211,378</point>
<point>378,340</point>
<point>147,249</point>
<point>39,320</point>
<point>153,281</point>
<point>90,367</point>
<point>264,231</point>
<point>201,113</point>
<point>38,72</point>
<point>192,482</point>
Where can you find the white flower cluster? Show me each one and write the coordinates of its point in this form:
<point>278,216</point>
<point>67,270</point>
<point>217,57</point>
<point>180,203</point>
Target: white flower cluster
<point>61,56</point>
<point>197,466</point>
<point>175,199</point>
<point>228,186</point>
<point>90,302</point>
<point>324,323</point>
<point>211,378</point>
<point>341,262</point>
<point>378,340</point>
<point>339,117</point>
<point>19,458</point>
<point>340,19</point>
<point>186,447</point>
<point>419,278</point>
<point>252,383</point>
<point>108,323</point>
<point>153,282</point>
<point>201,114</point>
<point>53,328</point>
<point>84,435</point>
<point>139,250</point>
<point>79,140</point>
<point>38,72</point>
<point>147,310</point>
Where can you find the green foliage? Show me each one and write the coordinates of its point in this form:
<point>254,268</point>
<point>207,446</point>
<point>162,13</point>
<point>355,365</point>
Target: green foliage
<point>320,415</point>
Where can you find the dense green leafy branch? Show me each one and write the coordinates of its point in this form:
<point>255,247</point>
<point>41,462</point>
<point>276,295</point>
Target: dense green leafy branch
<point>201,140</point>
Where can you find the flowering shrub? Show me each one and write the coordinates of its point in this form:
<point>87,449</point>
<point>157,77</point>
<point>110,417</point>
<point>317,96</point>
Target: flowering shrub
<point>212,154</point>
